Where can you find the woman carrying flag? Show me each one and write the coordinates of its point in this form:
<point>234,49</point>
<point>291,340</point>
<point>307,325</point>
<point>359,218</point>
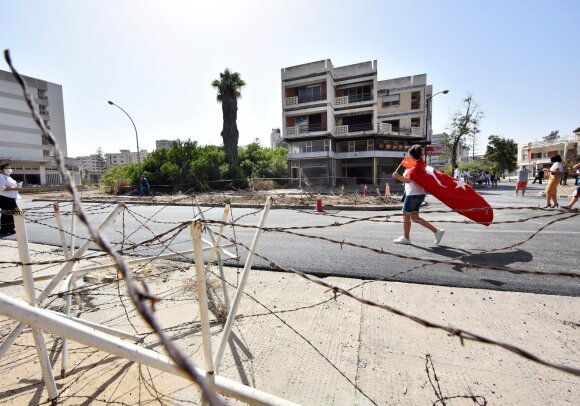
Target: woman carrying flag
<point>414,196</point>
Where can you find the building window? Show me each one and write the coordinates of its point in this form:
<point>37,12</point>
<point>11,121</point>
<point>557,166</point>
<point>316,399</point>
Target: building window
<point>327,145</point>
<point>370,145</point>
<point>308,146</point>
<point>415,100</point>
<point>309,94</point>
<point>358,94</point>
<point>416,122</point>
<point>391,100</point>
<point>351,146</point>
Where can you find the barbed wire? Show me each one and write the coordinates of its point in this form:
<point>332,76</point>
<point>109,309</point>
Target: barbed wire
<point>139,297</point>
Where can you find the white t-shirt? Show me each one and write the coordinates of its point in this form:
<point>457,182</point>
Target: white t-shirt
<point>7,181</point>
<point>457,173</point>
<point>412,188</point>
<point>557,165</point>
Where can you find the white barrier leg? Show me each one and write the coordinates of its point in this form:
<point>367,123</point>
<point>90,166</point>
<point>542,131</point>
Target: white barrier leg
<point>57,324</point>
<point>217,252</point>
<point>241,286</point>
<point>13,335</point>
<point>195,229</point>
<point>30,293</point>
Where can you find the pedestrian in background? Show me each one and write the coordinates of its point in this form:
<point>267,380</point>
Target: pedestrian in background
<point>8,194</point>
<point>457,172</point>
<point>144,190</point>
<point>556,171</point>
<point>523,176</point>
<point>539,176</point>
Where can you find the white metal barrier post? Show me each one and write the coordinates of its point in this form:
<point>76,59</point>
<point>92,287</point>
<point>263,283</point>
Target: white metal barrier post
<point>13,335</point>
<point>241,286</point>
<point>217,251</point>
<point>28,280</point>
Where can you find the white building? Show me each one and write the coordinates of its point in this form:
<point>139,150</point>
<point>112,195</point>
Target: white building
<point>163,144</point>
<point>124,157</point>
<point>21,143</point>
<point>276,139</point>
<point>536,155</point>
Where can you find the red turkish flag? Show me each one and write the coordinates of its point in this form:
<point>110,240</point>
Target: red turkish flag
<point>454,193</point>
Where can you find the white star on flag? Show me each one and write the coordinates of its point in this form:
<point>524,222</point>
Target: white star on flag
<point>460,184</point>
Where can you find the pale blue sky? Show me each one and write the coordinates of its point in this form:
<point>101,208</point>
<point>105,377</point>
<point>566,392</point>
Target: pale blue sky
<point>156,59</point>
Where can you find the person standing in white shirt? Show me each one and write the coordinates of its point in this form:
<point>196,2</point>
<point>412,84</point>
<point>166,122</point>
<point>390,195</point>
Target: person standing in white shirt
<point>8,194</point>
<point>457,173</point>
<point>556,171</point>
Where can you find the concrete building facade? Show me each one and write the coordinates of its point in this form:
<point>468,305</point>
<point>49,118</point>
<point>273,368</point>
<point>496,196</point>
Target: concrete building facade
<point>345,127</point>
<point>124,157</point>
<point>163,144</point>
<point>536,155</point>
<point>21,142</point>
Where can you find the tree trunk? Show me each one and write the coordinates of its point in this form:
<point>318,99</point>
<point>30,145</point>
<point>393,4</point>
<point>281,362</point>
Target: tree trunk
<point>230,132</point>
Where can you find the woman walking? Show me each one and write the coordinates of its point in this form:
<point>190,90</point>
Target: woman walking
<point>556,171</point>
<point>8,194</point>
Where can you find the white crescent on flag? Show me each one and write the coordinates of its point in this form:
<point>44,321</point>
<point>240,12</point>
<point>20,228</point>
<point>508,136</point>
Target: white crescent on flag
<point>431,171</point>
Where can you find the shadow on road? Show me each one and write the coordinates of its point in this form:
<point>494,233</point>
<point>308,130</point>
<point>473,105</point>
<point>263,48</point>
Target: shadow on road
<point>499,259</point>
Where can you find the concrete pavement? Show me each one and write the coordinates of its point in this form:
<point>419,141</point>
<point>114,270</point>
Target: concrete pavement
<point>295,340</point>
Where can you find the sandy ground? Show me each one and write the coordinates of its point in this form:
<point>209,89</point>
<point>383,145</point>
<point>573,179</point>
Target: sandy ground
<point>294,340</point>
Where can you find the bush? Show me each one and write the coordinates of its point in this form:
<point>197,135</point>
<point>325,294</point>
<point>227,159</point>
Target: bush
<point>118,179</point>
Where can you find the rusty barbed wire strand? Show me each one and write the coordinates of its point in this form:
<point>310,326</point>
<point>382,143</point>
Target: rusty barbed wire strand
<point>138,296</point>
<point>453,331</point>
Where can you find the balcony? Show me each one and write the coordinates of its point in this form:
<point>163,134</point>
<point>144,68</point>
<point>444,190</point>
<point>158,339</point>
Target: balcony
<point>346,100</point>
<point>304,129</point>
<point>43,97</point>
<point>352,128</point>
<point>297,100</point>
<point>44,113</point>
<point>386,128</point>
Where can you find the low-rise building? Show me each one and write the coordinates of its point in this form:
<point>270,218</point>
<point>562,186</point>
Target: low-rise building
<point>536,155</point>
<point>345,127</point>
<point>124,157</point>
<point>159,144</point>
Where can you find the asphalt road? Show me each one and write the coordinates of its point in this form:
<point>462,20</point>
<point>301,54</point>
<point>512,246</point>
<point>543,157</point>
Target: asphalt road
<point>554,249</point>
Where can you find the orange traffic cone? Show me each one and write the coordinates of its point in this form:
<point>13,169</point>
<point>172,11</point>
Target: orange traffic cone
<point>387,191</point>
<point>319,203</point>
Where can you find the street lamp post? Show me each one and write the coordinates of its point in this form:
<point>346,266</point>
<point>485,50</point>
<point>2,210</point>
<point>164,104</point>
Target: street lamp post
<point>428,141</point>
<point>136,135</point>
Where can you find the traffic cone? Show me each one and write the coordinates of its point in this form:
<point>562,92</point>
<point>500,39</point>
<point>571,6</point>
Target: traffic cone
<point>319,203</point>
<point>387,191</point>
<point>366,191</point>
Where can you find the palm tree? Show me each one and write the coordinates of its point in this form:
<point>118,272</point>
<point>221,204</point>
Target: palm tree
<point>228,91</point>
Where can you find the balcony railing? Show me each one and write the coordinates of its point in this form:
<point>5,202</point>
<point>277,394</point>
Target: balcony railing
<point>352,128</point>
<point>416,131</point>
<point>385,128</point>
<point>295,100</point>
<point>344,100</point>
<point>43,97</point>
<point>304,129</point>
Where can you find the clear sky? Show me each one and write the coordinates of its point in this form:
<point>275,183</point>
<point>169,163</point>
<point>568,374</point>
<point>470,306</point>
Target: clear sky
<point>156,59</point>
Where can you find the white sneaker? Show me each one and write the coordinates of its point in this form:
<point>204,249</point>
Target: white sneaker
<point>402,240</point>
<point>439,235</point>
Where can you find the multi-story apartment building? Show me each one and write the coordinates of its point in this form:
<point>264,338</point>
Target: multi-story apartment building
<point>276,139</point>
<point>343,126</point>
<point>124,157</point>
<point>536,155</point>
<point>21,142</point>
<point>163,144</point>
